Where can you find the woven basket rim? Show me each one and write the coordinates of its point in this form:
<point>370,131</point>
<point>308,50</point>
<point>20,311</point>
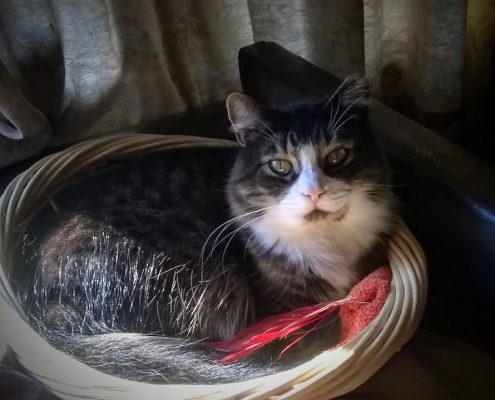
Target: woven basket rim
<point>332,373</point>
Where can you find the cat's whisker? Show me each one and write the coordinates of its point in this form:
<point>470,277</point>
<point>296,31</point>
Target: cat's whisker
<point>247,243</point>
<point>225,224</point>
<point>234,233</point>
<point>265,136</point>
<point>333,129</point>
<point>233,220</point>
<point>330,119</point>
<point>216,244</point>
<point>222,227</point>
<point>336,130</point>
<point>338,90</point>
<point>331,123</point>
<point>269,132</point>
<point>266,126</point>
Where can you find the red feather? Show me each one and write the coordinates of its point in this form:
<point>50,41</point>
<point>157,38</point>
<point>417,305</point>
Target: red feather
<point>362,304</point>
<point>275,327</point>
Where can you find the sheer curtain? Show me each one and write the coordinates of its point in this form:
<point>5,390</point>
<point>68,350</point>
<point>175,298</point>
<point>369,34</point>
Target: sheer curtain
<point>415,55</point>
<point>71,69</point>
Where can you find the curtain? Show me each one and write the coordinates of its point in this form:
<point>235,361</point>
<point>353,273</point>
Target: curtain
<point>74,69</point>
<point>415,55</point>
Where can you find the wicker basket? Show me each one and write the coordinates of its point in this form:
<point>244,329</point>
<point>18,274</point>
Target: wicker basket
<point>330,374</point>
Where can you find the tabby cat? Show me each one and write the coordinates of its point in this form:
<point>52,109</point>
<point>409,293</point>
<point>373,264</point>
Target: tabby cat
<point>141,263</point>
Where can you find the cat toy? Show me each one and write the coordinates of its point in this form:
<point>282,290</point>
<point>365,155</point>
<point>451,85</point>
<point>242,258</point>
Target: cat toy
<point>363,303</point>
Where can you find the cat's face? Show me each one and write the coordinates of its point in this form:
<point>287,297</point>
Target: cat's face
<point>309,169</point>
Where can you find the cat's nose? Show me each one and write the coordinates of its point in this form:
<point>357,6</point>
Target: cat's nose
<point>313,194</point>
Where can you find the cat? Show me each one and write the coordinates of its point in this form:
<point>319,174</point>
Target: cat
<point>141,263</point>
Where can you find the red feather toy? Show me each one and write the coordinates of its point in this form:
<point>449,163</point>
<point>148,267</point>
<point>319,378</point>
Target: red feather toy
<point>356,310</point>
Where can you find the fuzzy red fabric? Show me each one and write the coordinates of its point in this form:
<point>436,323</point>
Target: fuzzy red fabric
<point>369,297</point>
<point>356,310</point>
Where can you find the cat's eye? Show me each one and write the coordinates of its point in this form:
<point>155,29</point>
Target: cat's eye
<point>337,157</point>
<point>281,167</point>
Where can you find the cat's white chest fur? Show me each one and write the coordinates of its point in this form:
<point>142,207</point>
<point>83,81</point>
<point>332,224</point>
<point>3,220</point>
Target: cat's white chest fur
<point>328,247</point>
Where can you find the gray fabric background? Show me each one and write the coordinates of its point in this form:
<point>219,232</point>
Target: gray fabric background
<point>73,69</point>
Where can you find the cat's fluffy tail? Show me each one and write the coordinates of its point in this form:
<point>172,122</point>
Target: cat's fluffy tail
<point>159,359</point>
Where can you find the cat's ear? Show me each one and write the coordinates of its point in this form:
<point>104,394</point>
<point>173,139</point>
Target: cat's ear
<point>352,95</point>
<point>244,114</point>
